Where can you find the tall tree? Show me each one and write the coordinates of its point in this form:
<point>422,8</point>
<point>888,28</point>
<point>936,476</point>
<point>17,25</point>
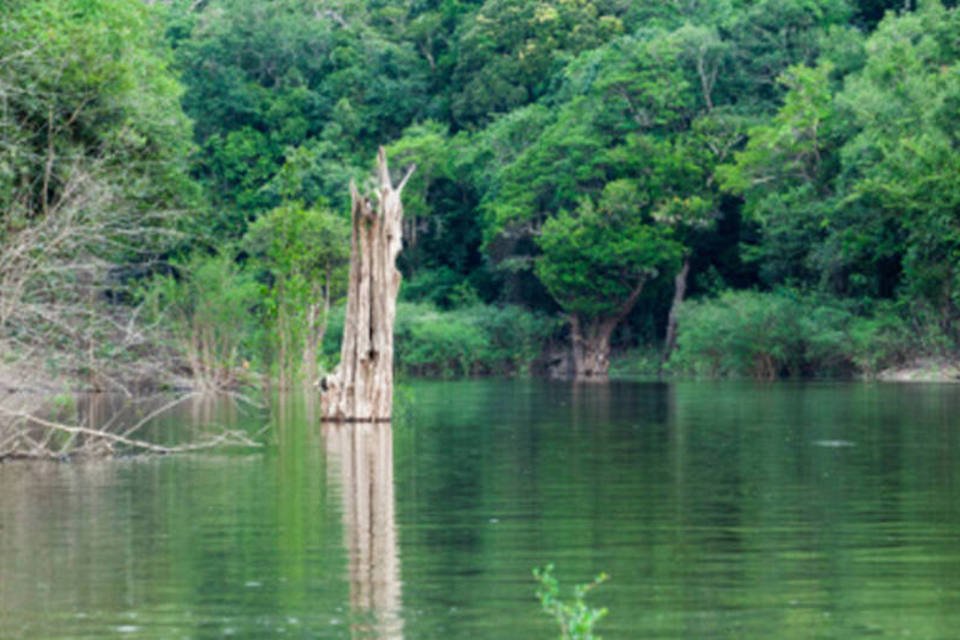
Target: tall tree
<point>854,188</point>
<point>901,166</point>
<point>509,49</point>
<point>290,80</point>
<point>596,263</point>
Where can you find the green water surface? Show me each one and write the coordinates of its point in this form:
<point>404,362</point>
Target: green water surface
<point>720,510</point>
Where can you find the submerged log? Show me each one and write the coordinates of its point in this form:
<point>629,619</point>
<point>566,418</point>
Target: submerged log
<point>360,389</point>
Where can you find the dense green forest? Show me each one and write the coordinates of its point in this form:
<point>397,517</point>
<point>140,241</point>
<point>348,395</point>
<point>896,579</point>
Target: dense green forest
<point>726,188</point>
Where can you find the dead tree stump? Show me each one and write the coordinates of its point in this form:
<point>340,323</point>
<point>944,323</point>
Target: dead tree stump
<point>360,389</point>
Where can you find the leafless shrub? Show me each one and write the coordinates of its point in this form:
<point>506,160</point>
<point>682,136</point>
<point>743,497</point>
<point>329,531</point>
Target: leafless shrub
<point>59,285</point>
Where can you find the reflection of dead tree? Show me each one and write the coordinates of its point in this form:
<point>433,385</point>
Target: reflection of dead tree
<point>24,434</point>
<point>363,453</point>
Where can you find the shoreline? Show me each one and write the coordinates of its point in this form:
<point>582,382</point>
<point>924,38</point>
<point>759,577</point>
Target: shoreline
<point>19,378</point>
<point>924,370</point>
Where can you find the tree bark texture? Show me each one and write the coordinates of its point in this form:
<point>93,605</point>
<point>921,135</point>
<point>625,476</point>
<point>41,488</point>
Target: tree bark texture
<point>590,339</point>
<point>591,348</point>
<point>679,293</point>
<point>361,387</point>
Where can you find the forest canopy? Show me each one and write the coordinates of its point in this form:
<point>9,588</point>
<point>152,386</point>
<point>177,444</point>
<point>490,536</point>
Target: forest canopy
<point>662,184</point>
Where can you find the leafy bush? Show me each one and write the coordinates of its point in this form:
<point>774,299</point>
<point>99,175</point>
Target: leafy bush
<point>302,255</point>
<point>441,287</point>
<point>515,337</point>
<point>882,341</point>
<point>739,334</point>
<point>769,335</point>
<point>209,311</point>
<point>429,341</point>
<point>476,340</point>
<point>643,360</point>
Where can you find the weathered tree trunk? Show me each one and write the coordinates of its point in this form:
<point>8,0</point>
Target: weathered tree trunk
<point>591,340</point>
<point>679,293</point>
<point>361,387</point>
<point>591,348</point>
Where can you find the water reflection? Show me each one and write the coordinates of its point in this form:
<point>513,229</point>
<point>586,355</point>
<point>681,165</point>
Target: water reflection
<point>716,509</point>
<point>362,456</point>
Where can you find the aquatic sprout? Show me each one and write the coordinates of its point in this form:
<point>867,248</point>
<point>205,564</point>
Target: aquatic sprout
<point>576,619</point>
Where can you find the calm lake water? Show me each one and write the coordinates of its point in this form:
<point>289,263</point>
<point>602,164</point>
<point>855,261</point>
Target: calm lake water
<point>722,510</point>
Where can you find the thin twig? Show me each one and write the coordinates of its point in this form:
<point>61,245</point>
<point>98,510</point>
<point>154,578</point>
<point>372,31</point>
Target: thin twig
<point>225,438</point>
<point>153,414</point>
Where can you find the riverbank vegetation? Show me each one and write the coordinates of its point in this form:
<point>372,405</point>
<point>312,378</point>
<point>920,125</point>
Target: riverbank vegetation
<point>743,188</point>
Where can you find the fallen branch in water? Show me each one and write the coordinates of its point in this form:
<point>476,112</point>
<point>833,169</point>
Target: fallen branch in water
<point>24,435</point>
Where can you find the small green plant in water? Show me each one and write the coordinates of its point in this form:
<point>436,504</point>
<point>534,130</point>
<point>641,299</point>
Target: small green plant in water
<point>576,619</point>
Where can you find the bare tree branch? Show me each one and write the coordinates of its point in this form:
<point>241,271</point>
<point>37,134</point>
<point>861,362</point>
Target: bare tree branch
<point>18,437</point>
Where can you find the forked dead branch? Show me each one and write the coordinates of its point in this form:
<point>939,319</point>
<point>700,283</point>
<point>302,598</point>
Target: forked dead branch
<point>26,434</point>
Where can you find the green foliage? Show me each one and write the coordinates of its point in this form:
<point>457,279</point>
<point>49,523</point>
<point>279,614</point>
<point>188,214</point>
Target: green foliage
<point>94,179</point>
<point>621,106</point>
<point>768,37</point>
<point>302,255</point>
<point>294,241</point>
<point>515,338</point>
<point>902,163</point>
<point>576,619</point>
<point>740,334</point>
<point>470,341</point>
<point>885,340</point>
<point>442,287</point>
<point>594,260</point>
<point>90,105</point>
<point>643,361</point>
<point>788,150</point>
<point>770,335</point>
<point>441,230</point>
<point>605,196</point>
<point>474,340</point>
<point>426,146</point>
<point>267,80</point>
<point>434,343</point>
<point>854,190</point>
<point>785,175</point>
<point>509,49</point>
<point>209,309</point>
<point>567,151</point>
